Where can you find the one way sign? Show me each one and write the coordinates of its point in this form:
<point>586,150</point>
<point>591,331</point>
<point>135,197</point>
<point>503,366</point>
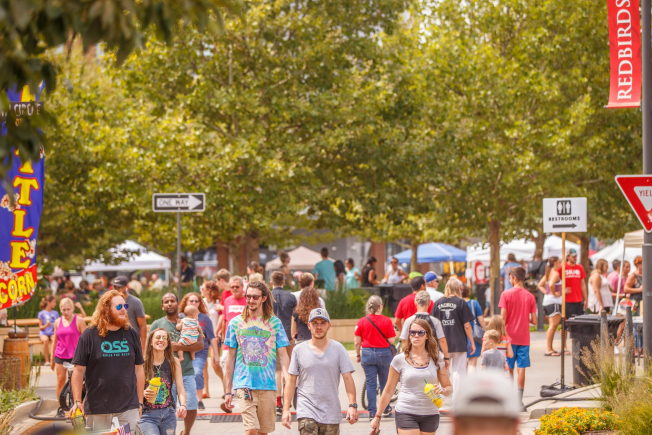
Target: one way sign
<point>564,215</point>
<point>178,202</point>
<point>638,191</point>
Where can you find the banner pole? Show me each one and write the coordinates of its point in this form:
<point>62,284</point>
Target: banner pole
<point>646,12</point>
<point>179,255</point>
<point>563,307</point>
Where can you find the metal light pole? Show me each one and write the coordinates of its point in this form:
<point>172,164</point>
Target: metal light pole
<point>646,40</point>
<point>179,255</point>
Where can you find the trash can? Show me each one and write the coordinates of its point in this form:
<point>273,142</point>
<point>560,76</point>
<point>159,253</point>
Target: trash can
<point>583,330</point>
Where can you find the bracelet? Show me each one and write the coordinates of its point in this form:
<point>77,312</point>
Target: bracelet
<point>229,394</point>
<point>377,416</point>
<point>183,406</point>
<point>357,356</point>
<point>447,359</point>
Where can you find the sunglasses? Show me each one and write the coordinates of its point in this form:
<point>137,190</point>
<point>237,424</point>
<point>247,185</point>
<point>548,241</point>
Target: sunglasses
<point>193,301</point>
<point>420,333</point>
<point>120,306</point>
<point>160,337</point>
<point>236,286</point>
<point>254,297</point>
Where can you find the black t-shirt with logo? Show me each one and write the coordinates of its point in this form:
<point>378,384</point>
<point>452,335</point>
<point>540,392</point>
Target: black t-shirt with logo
<point>110,369</point>
<point>453,313</point>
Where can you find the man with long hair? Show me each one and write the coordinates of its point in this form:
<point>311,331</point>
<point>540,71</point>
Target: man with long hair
<point>170,304</point>
<point>253,340</point>
<point>109,357</point>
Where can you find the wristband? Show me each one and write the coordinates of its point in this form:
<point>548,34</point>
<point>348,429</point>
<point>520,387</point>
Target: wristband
<point>229,394</point>
<point>377,416</point>
<point>183,406</point>
<point>447,359</point>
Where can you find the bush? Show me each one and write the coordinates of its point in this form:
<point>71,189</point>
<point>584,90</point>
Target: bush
<point>576,421</point>
<point>342,304</point>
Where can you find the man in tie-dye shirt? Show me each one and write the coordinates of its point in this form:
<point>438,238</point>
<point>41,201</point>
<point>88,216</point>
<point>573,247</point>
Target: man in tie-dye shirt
<point>253,340</point>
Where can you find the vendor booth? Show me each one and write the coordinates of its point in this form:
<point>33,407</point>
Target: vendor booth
<point>143,259</point>
<point>301,258</point>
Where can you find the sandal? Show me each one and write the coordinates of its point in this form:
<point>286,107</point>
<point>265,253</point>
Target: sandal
<point>553,353</point>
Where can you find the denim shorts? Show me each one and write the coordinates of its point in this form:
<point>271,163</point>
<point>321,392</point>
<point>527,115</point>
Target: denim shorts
<point>198,364</point>
<point>191,392</point>
<point>159,422</point>
<point>521,357</point>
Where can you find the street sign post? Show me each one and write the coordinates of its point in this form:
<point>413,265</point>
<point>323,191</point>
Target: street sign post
<point>565,215</point>
<point>638,192</point>
<point>179,203</point>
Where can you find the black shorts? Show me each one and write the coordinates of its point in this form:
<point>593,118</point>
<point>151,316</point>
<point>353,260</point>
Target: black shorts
<point>58,360</point>
<point>425,423</point>
<point>574,309</point>
<point>552,309</point>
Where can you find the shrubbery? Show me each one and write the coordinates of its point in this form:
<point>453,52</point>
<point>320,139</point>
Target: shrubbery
<point>576,421</point>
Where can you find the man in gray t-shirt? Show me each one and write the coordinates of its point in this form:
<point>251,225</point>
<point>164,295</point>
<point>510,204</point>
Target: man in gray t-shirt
<point>315,370</point>
<point>492,358</point>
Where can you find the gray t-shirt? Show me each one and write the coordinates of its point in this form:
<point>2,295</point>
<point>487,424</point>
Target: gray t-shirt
<point>318,382</point>
<point>493,359</point>
<point>411,398</point>
<point>405,332</point>
<point>135,311</point>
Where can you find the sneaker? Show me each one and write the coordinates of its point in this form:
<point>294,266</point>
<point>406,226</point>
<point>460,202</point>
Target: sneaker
<point>60,413</point>
<point>279,410</point>
<point>387,412</point>
<point>200,406</point>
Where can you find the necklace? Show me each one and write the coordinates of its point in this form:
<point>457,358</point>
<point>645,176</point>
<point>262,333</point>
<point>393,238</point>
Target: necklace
<point>416,364</point>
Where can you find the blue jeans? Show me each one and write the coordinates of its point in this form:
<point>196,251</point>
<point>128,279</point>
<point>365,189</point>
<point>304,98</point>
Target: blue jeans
<point>375,363</point>
<point>159,422</point>
<point>198,364</point>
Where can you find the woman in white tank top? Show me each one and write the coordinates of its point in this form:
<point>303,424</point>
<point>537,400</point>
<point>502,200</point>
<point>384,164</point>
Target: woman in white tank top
<point>395,275</point>
<point>600,289</point>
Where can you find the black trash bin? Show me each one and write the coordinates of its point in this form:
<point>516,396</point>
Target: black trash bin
<point>385,292</point>
<point>583,330</point>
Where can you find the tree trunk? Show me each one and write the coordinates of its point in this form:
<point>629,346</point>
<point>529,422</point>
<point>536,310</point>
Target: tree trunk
<point>585,239</point>
<point>494,245</point>
<point>235,251</point>
<point>539,241</point>
<point>413,261</point>
<point>252,247</point>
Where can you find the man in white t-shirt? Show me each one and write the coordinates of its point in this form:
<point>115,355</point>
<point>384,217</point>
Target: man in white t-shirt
<point>422,301</point>
<point>432,281</point>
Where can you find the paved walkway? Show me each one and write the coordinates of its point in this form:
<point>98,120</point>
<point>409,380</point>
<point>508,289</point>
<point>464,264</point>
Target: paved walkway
<point>544,370</point>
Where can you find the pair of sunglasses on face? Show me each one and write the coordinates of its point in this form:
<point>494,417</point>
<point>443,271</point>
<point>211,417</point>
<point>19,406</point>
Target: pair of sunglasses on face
<point>121,306</point>
<point>419,333</point>
<point>254,297</point>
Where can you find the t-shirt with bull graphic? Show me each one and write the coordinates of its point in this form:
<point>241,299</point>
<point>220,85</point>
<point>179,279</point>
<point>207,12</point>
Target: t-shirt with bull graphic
<point>110,369</point>
<point>256,341</point>
<point>453,313</point>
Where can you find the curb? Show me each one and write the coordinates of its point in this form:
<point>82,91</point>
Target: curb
<point>23,410</point>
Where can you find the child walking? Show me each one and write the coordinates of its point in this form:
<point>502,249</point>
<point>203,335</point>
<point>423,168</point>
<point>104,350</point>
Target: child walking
<point>46,318</point>
<point>505,344</point>
<point>492,358</point>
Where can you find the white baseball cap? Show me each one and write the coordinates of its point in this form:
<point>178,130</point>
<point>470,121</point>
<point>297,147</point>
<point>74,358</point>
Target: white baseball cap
<point>486,394</point>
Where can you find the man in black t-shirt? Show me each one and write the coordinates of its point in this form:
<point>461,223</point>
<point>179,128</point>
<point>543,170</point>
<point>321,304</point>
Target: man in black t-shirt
<point>109,357</point>
<point>284,303</point>
<point>187,273</point>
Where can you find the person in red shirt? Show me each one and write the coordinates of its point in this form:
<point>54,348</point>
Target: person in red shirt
<point>373,335</point>
<point>519,309</point>
<point>407,307</point>
<point>576,293</point>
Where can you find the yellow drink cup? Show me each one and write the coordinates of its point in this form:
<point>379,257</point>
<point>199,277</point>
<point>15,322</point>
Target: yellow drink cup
<point>429,389</point>
<point>78,421</point>
<point>155,386</point>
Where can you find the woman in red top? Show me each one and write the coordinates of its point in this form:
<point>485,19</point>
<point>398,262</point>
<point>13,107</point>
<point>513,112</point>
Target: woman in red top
<point>373,334</point>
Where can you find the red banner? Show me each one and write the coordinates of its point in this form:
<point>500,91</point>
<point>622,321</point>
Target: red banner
<point>625,51</point>
<point>16,288</point>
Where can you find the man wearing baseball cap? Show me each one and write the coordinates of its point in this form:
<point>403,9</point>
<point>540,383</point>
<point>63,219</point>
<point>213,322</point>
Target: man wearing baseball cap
<point>135,309</point>
<point>315,369</point>
<point>432,281</point>
<point>576,292</point>
<point>486,403</point>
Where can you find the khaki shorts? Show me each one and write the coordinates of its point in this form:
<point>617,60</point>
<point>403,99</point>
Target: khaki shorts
<point>259,413</point>
<point>308,426</point>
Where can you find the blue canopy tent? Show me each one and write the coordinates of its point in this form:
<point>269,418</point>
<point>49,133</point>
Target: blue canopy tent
<point>433,253</point>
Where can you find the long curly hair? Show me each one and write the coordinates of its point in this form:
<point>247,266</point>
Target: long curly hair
<point>308,301</point>
<point>432,347</point>
<point>268,305</point>
<point>148,366</point>
<point>184,302</point>
<point>102,315</point>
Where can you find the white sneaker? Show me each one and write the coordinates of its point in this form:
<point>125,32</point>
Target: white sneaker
<point>616,350</point>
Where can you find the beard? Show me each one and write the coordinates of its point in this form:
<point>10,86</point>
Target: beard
<point>117,321</point>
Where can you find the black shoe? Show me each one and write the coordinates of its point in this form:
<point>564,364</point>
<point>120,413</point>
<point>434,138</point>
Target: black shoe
<point>60,413</point>
<point>387,412</point>
<point>200,406</point>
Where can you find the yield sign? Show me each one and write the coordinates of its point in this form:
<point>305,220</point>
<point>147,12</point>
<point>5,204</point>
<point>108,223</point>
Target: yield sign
<point>638,191</point>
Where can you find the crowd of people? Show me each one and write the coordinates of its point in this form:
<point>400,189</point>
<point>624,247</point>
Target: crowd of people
<point>270,348</point>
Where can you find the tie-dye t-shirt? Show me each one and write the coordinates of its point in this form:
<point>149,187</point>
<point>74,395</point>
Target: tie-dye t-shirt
<point>256,342</point>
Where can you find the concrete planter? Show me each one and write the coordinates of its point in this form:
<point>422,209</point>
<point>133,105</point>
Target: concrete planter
<point>343,330</point>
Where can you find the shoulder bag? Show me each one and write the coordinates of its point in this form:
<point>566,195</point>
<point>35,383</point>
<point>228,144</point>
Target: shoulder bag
<point>392,348</point>
<point>478,332</point>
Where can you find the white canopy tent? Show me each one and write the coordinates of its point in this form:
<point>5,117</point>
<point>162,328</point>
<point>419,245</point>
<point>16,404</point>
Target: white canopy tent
<point>615,252</point>
<point>301,258</point>
<point>143,260</point>
<point>631,241</point>
<point>521,248</point>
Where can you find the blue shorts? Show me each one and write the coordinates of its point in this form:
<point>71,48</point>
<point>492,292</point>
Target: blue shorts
<point>191,392</point>
<point>521,357</point>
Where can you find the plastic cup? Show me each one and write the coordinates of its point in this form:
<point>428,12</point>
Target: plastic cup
<point>155,386</point>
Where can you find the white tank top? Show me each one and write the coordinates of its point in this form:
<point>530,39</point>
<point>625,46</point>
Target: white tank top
<point>394,277</point>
